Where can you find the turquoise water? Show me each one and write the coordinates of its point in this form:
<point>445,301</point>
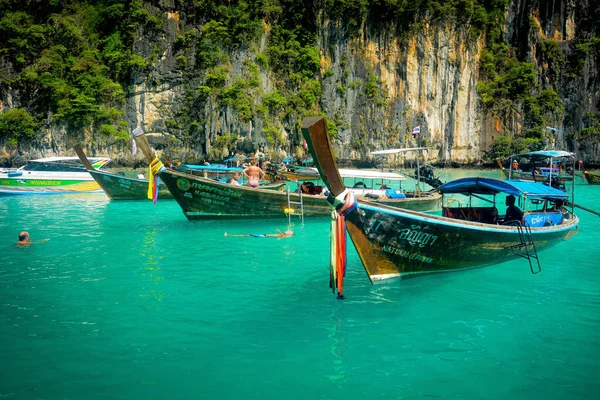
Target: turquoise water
<point>131,300</point>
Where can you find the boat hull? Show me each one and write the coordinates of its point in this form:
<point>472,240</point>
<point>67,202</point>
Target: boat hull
<point>592,179</point>
<point>396,243</point>
<point>118,187</point>
<point>47,186</point>
<point>202,198</point>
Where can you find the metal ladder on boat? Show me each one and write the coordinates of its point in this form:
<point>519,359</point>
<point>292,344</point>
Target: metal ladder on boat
<point>526,248</point>
<point>295,207</point>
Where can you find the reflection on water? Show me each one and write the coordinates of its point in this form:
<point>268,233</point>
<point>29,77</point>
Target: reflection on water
<point>339,347</point>
<point>151,270</point>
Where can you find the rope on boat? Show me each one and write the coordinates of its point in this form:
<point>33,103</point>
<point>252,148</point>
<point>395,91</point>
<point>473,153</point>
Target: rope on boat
<point>342,205</point>
<point>153,180</point>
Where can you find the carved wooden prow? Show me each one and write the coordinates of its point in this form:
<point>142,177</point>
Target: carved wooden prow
<point>314,130</point>
<point>82,157</point>
<point>142,142</point>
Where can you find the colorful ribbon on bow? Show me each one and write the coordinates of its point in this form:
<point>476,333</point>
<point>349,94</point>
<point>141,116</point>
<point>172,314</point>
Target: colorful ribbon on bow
<point>343,204</point>
<point>153,180</point>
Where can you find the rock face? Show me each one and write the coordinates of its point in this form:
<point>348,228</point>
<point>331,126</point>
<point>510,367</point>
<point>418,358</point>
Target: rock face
<point>427,81</point>
<point>376,87</point>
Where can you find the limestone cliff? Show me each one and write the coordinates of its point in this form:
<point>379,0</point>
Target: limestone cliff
<point>374,87</point>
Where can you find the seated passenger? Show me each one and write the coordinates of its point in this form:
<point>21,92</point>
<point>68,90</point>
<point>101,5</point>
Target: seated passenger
<point>235,179</point>
<point>513,213</point>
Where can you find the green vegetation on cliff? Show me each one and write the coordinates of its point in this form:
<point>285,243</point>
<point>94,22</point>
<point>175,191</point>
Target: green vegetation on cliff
<point>74,62</point>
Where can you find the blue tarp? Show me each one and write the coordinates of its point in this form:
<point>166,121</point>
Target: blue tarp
<point>212,167</point>
<point>490,186</point>
<point>545,153</point>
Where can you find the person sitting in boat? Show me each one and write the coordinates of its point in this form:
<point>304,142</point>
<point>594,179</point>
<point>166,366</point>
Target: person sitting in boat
<point>236,179</point>
<point>253,173</point>
<point>515,165</point>
<point>513,213</point>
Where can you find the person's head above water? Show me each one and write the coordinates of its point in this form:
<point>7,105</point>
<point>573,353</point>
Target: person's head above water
<point>23,237</point>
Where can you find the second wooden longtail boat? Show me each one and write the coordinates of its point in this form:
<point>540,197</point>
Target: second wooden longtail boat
<point>592,178</point>
<point>120,187</point>
<point>398,243</point>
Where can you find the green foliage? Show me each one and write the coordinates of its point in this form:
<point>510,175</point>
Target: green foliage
<point>262,60</point>
<point>549,101</point>
<point>237,97</point>
<point>272,134</point>
<point>16,124</point>
<point>373,86</point>
<point>275,101</point>
<point>216,78</point>
<point>75,56</point>
<point>181,61</point>
<point>108,130</point>
<point>332,128</point>
<point>122,136</point>
<point>225,141</point>
<point>504,146</point>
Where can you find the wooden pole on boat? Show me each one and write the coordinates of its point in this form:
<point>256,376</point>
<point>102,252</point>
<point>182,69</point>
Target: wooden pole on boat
<point>585,208</point>
<point>499,161</point>
<point>82,157</point>
<point>418,176</point>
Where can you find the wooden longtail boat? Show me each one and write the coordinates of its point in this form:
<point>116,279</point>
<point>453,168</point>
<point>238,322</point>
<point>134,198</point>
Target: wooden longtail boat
<point>398,243</point>
<point>544,166</point>
<point>592,178</point>
<point>120,187</point>
<point>204,198</point>
<point>367,185</point>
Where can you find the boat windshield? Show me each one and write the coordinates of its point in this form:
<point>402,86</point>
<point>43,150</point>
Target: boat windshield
<point>61,165</point>
<point>53,167</point>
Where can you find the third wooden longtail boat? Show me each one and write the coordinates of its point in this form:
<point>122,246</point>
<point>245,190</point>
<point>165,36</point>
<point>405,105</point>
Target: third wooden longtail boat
<point>592,178</point>
<point>398,243</point>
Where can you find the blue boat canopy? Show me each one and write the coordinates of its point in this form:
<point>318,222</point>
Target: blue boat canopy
<point>233,159</point>
<point>211,167</point>
<point>545,153</point>
<point>493,186</point>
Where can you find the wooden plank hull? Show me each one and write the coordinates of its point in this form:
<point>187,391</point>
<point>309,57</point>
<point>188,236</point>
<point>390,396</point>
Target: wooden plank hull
<point>592,178</point>
<point>202,198</point>
<point>395,243</point>
<point>118,187</point>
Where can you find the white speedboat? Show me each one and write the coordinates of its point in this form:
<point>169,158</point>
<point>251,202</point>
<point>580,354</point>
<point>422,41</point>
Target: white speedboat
<point>51,175</point>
